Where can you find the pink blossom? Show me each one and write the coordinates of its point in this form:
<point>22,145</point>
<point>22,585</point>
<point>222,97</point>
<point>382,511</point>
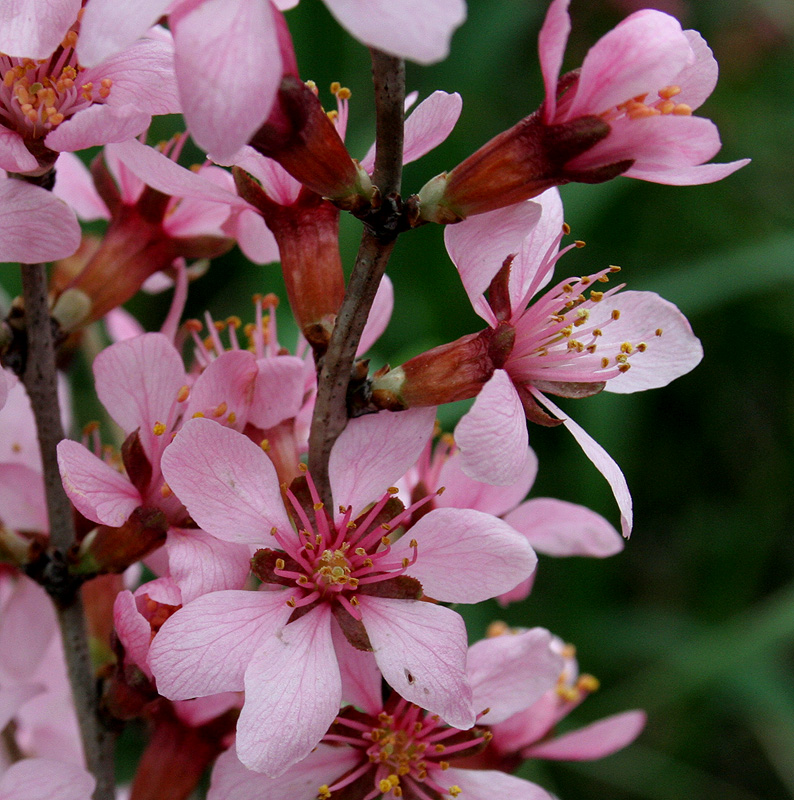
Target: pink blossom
<point>644,78</point>
<point>45,779</point>
<point>333,573</point>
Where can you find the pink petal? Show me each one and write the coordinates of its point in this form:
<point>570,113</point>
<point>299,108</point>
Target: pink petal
<point>98,124</point>
<point>74,185</point>
<point>603,462</point>
<point>98,491</point>
<point>481,784</point>
<point>18,441</point>
<point>643,54</point>
<point>688,176</point>
<point>278,390</point>
<point>109,26</point>
<point>697,80</point>
<point>43,779</point>
<point>419,30</point>
<point>138,381</point>
<point>480,244</point>
<point>492,435</point>
<point>292,695</point>
<point>228,67</point>
<point>12,698</point>
<point>227,483</point>
<point>232,781</point>
<point>278,184</point>
<point>14,156</point>
<point>552,40</point>
<point>375,451</point>
<point>379,315</point>
<point>121,325</point>
<point>557,528</point>
<point>200,563</point>
<point>463,492</point>
<point>133,630</point>
<point>666,357</point>
<point>594,741</point>
<point>509,673</point>
<point>23,506</point>
<point>421,651</point>
<point>206,646</point>
<point>253,237</point>
<point>361,678</point>
<point>3,389</point>
<point>517,593</point>
<point>27,627</point>
<point>466,556</point>
<point>27,30</point>
<point>34,225</point>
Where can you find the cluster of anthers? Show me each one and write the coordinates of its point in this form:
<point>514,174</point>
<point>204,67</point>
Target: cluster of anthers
<point>639,108</point>
<point>406,750</point>
<point>37,96</point>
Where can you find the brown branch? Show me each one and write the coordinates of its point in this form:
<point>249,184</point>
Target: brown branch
<point>330,410</point>
<point>40,378</point>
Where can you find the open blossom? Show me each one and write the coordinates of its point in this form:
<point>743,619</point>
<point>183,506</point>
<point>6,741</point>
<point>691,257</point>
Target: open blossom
<point>337,581</point>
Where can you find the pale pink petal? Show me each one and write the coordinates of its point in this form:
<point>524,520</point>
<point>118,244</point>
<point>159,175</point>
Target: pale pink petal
<point>109,26</point>
<point>13,697</point>
<point>552,40</point>
<point>466,556</point>
<point>253,237</point>
<point>193,217</point>
<point>292,695</point>
<point>232,781</point>
<point>482,784</point>
<point>23,506</point>
<point>603,462</point>
<point>34,225</point>
<point>3,389</point>
<point>200,563</point>
<point>421,651</point>
<point>697,81</point>
<point>419,30</point>
<point>73,184</point>
<point>598,740</point>
<point>278,390</point>
<point>688,176</point>
<point>201,710</point>
<point>509,673</point>
<point>205,647</point>
<point>98,491</point>
<point>43,779</point>
<point>133,630</point>
<point>225,389</point>
<point>121,325</point>
<point>376,450</point>
<point>32,29</point>
<point>138,381</point>
<point>492,435</point>
<point>14,156</point>
<point>18,441</point>
<point>518,593</point>
<point>379,315</point>
<point>227,483</point>
<point>98,124</point>
<point>670,349</point>
<point>480,244</point>
<point>27,626</point>
<point>361,678</point>
<point>161,590</point>
<point>278,184</point>
<point>228,67</point>
<point>642,54</point>
<point>558,528</point>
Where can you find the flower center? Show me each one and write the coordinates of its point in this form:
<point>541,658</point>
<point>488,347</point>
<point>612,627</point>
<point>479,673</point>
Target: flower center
<point>640,107</point>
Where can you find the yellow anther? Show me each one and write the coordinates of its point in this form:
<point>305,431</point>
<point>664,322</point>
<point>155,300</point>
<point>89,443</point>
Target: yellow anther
<point>439,748</point>
<point>455,790</point>
<point>579,243</point>
<point>220,409</point>
<point>392,490</point>
<point>333,115</point>
<point>568,651</point>
<point>566,228</point>
<point>335,87</point>
<point>443,764</point>
<point>198,415</point>
<point>624,367</point>
<point>682,110</point>
<point>614,268</point>
<point>604,363</point>
<point>165,491</point>
<point>385,541</point>
<point>317,506</point>
<point>354,601</point>
<point>627,347</point>
<point>265,444</point>
<point>384,785</point>
<point>588,683</point>
<point>280,563</point>
<point>642,347</point>
<point>441,490</point>
<point>615,313</point>
<point>90,428</point>
<point>303,468</point>
<point>291,602</point>
<point>324,793</point>
<point>273,531</point>
<point>232,418</point>
<point>344,93</point>
<point>667,107</point>
<point>158,429</point>
<point>669,91</point>
<point>596,297</point>
<point>70,40</point>
<point>567,288</point>
<point>658,332</point>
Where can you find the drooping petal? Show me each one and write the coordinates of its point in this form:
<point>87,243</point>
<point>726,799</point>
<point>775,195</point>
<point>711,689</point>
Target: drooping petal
<point>481,784</point>
<point>603,462</point>
<point>466,556</point>
<point>73,184</point>
<point>278,390</point>
<point>419,30</point>
<point>379,315</point>
<point>292,695</point>
<point>552,40</point>
<point>558,528</point>
<point>460,491</point>
<point>688,176</point>
<point>509,673</point>
<point>375,451</point>
<point>227,483</point>
<point>44,779</point>
<point>492,435</point>
<point>22,643</point>
<point>598,740</point>
<point>697,80</point>
<point>480,244</point>
<point>14,156</point>
<point>133,629</point>
<point>34,225</point>
<point>23,506</point>
<point>98,124</point>
<point>205,647</point>
<point>121,325</point>
<point>200,563</point>
<point>421,651</point>
<point>29,31</point>
<point>98,491</point>
<point>253,237</point>
<point>228,67</point>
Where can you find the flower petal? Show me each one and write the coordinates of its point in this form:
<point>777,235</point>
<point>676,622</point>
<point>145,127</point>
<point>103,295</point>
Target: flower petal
<point>23,506</point>
<point>697,80</point>
<point>43,779</point>
<point>361,678</point>
<point>379,315</point>
<point>278,390</point>
<point>74,185</point>
<point>98,124</point>
<point>484,784</point>
<point>552,40</point>
<point>23,645</point>
<point>28,30</point>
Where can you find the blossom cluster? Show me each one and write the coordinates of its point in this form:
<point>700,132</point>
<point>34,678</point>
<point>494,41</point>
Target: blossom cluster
<point>277,597</point>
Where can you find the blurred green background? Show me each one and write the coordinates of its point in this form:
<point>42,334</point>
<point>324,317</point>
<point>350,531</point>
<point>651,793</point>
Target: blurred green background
<point>695,620</point>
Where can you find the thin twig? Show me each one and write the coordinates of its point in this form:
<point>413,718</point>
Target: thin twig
<point>330,410</point>
<point>40,380</point>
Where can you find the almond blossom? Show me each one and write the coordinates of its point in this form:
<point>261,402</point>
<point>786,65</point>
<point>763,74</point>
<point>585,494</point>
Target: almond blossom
<point>333,575</point>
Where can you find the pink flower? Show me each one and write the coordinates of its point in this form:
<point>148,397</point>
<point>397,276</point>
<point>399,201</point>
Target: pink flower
<point>44,779</point>
<point>335,575</point>
<point>644,79</point>
<point>51,103</point>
